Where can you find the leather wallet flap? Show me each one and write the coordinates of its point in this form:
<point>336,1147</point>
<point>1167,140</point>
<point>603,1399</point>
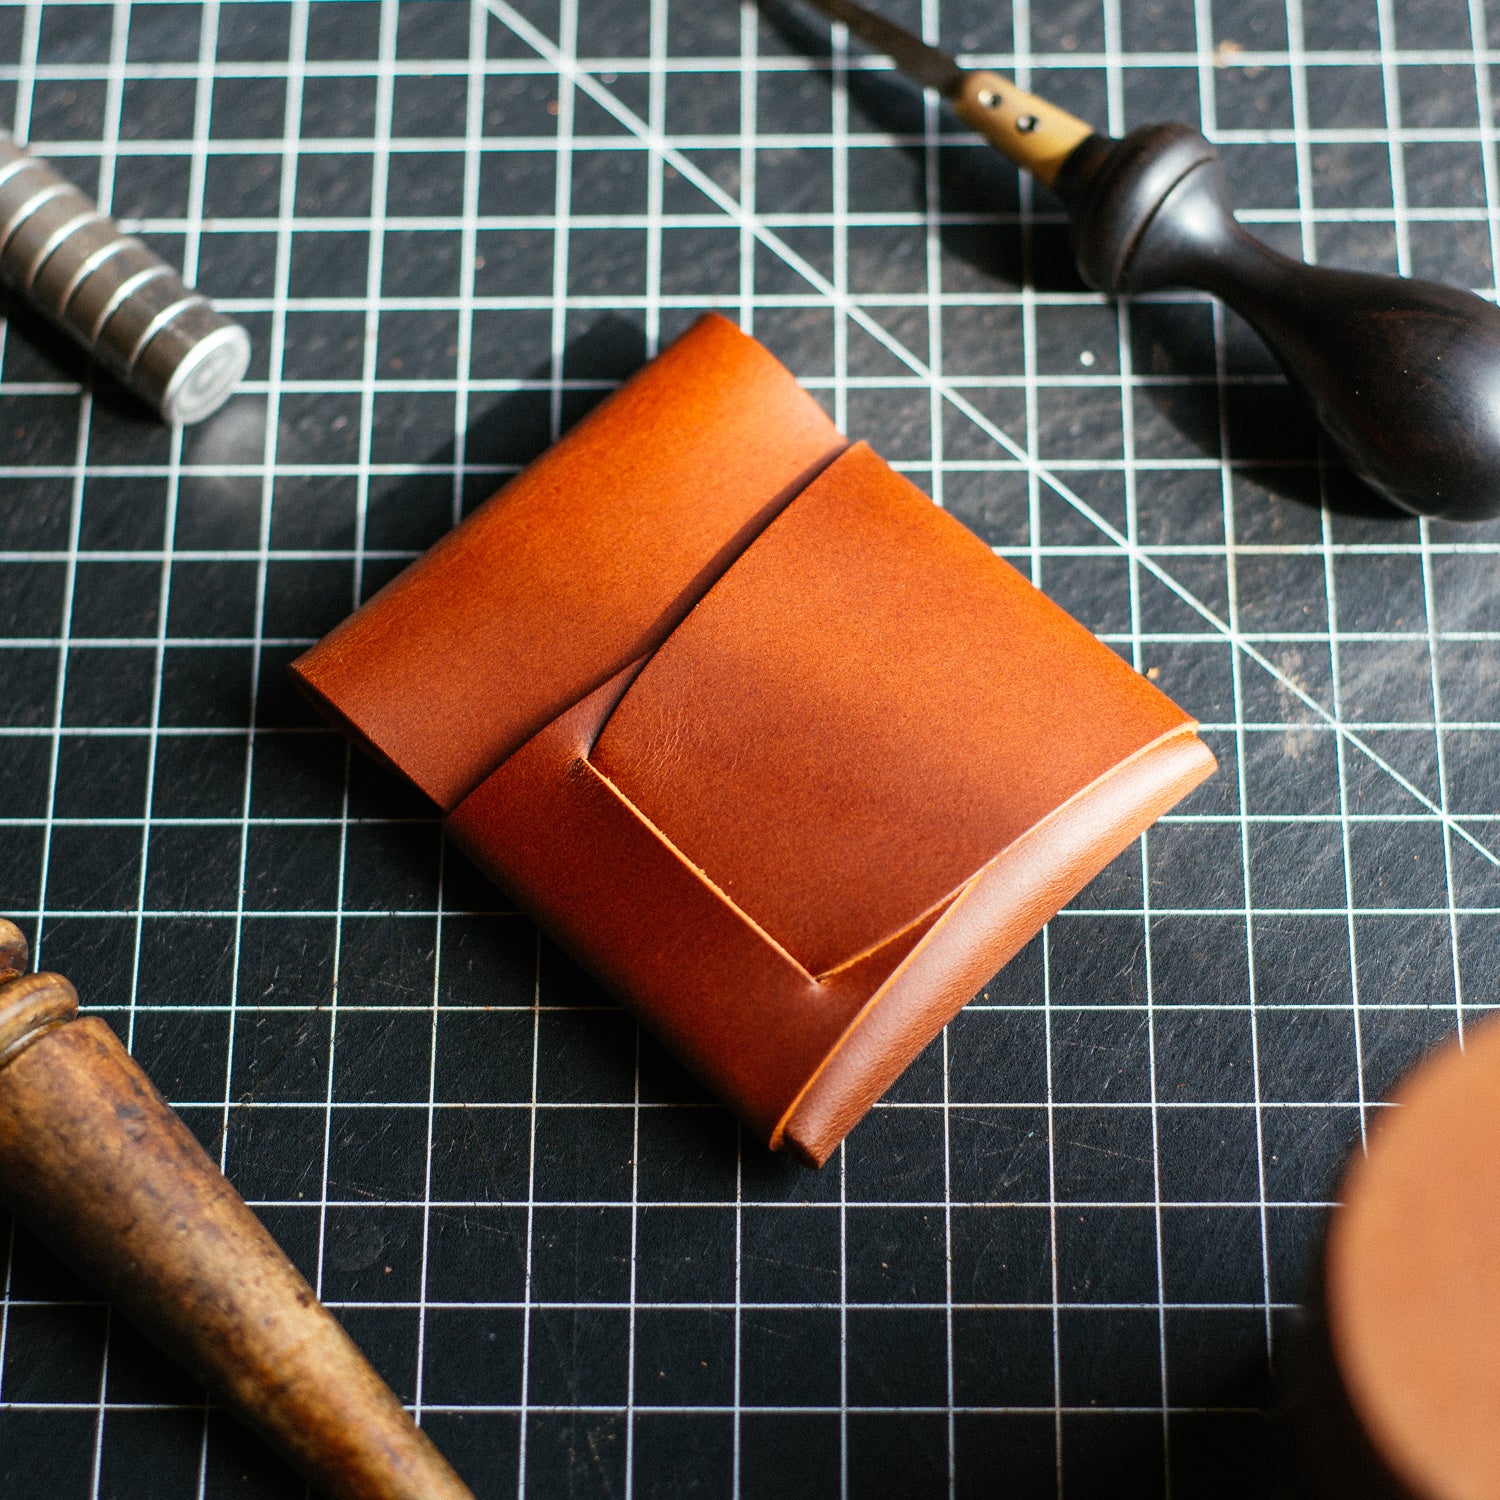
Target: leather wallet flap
<point>867,708</point>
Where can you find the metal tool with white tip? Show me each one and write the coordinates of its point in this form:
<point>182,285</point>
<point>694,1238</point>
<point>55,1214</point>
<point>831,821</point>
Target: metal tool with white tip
<point>112,294</point>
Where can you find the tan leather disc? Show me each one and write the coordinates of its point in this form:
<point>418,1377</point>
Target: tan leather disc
<point>1413,1276</point>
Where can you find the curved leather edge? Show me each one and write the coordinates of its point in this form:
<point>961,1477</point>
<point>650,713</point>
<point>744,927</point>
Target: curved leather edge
<point>586,560</point>
<point>998,913</point>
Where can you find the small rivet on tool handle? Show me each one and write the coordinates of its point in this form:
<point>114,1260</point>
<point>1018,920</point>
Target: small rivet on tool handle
<point>1031,131</point>
<point>112,294</point>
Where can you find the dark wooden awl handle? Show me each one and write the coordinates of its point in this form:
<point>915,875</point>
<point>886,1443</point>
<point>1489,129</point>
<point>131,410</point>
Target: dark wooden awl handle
<point>97,1165</point>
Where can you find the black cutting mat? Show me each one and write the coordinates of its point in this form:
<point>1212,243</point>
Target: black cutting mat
<point>1063,1256</point>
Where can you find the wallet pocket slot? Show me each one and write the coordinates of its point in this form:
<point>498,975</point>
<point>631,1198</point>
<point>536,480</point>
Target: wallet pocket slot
<point>579,857</point>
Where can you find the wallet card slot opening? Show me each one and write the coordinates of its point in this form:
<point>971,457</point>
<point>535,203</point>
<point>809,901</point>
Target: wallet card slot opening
<point>912,929</point>
<point>698,873</point>
<point>672,620</point>
<point>608,699</point>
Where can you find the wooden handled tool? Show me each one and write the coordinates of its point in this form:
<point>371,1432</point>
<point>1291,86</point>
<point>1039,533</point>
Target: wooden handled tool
<point>97,1165</point>
<point>1404,375</point>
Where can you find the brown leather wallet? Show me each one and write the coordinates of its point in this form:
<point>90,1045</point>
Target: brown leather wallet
<point>777,748</point>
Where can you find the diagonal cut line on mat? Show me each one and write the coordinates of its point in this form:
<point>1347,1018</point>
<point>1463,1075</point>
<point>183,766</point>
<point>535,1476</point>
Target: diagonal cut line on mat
<point>653,141</point>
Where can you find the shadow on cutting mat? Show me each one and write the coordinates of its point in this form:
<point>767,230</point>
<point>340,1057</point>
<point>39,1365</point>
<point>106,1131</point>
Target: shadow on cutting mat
<point>506,436</point>
<point>408,512</point>
<point>1254,414</point>
<point>1210,1458</point>
<point>517,428</point>
<point>972,181</point>
<point>48,354</point>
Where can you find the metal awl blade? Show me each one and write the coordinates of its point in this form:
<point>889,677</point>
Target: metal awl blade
<point>929,66</point>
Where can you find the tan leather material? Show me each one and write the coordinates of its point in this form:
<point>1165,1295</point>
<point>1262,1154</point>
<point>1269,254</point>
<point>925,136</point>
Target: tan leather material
<point>995,916</point>
<point>612,890</point>
<point>581,564</point>
<point>904,704</point>
<point>1412,1275</point>
<point>802,812</point>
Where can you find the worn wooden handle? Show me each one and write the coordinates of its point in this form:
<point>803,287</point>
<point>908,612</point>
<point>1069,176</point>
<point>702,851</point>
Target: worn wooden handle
<point>97,1165</point>
<point>1034,133</point>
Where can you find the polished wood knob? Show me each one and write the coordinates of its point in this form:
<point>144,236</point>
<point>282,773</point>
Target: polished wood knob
<point>96,1164</point>
<point>1403,375</point>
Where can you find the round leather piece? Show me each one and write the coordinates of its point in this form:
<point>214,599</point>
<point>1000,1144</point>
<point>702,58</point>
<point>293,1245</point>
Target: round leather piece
<point>1413,1276</point>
